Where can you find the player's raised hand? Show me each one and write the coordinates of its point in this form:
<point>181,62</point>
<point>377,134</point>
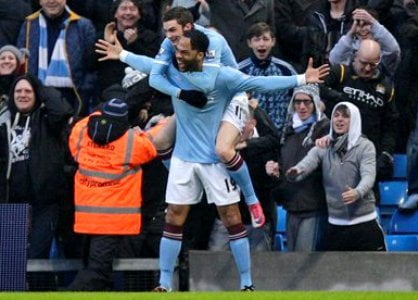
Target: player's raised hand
<point>316,75</point>
<point>110,51</point>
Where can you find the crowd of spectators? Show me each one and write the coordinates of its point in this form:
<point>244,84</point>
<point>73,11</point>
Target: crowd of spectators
<point>51,77</point>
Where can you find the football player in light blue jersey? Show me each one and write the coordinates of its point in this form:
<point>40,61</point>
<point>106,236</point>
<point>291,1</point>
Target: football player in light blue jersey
<point>195,165</point>
<point>176,21</point>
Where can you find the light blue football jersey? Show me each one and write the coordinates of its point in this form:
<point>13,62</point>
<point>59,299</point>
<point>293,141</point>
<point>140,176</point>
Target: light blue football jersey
<point>196,129</point>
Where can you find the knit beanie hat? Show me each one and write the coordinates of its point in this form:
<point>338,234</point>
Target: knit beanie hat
<point>115,109</point>
<point>16,52</point>
<point>111,124</point>
<point>309,89</point>
<point>313,91</point>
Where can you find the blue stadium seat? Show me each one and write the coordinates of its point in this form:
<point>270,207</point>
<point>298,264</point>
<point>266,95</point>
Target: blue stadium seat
<point>404,223</point>
<point>393,192</point>
<point>399,166</point>
<point>397,243</point>
<point>279,242</point>
<point>281,220</point>
<point>280,235</point>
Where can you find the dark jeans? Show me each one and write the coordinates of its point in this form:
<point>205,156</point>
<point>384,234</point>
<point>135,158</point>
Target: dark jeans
<point>97,275</point>
<point>43,221</point>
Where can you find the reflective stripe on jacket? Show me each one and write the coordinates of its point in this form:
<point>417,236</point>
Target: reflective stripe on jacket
<point>108,181</point>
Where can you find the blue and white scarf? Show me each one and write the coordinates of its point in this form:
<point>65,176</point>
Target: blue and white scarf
<point>57,73</point>
<point>299,125</point>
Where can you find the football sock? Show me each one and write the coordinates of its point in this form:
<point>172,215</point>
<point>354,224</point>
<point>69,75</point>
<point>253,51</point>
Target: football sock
<point>240,248</point>
<point>238,170</point>
<point>170,246</point>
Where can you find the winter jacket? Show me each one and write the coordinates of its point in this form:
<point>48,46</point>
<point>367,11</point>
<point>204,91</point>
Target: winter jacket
<point>46,147</point>
<point>307,195</point>
<point>80,39</point>
<point>328,30</point>
<point>12,15</point>
<point>233,18</point>
<point>295,38</point>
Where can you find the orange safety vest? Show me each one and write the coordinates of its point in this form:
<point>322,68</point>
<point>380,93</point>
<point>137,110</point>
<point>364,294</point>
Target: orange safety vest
<point>108,182</point>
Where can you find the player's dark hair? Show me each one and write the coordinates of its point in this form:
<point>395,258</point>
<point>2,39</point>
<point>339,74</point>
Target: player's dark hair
<point>198,40</point>
<point>181,14</point>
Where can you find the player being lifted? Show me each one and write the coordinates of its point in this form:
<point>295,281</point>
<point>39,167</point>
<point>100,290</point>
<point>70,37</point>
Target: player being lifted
<point>195,165</point>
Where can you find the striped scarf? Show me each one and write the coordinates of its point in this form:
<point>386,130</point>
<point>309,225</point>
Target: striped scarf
<point>57,73</point>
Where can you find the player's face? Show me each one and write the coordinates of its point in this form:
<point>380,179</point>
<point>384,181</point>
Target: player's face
<point>24,96</point>
<point>303,105</point>
<point>262,45</point>
<point>340,122</point>
<point>127,15</point>
<point>8,63</point>
<point>174,31</point>
<point>53,8</point>
<point>187,58</point>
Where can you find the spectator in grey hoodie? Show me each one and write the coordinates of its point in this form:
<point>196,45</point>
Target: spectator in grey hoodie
<point>349,171</point>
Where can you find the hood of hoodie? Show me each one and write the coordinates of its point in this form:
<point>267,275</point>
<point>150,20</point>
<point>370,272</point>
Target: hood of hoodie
<point>37,89</point>
<point>354,131</point>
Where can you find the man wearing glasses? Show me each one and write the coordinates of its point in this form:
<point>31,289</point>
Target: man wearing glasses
<point>364,84</point>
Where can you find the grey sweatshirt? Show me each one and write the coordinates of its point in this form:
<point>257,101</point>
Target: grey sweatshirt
<point>344,50</point>
<point>356,169</point>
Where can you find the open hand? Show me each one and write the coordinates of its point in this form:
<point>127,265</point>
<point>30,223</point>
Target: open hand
<point>362,16</point>
<point>316,75</point>
<point>109,50</point>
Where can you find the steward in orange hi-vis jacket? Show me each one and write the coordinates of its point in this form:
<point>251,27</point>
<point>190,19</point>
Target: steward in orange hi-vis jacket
<point>108,181</point>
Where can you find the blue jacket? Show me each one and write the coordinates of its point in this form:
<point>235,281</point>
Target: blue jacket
<point>80,38</point>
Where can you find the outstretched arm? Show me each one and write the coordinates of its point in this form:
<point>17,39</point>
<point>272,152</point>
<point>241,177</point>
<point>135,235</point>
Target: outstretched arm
<point>238,81</point>
<point>115,52</point>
